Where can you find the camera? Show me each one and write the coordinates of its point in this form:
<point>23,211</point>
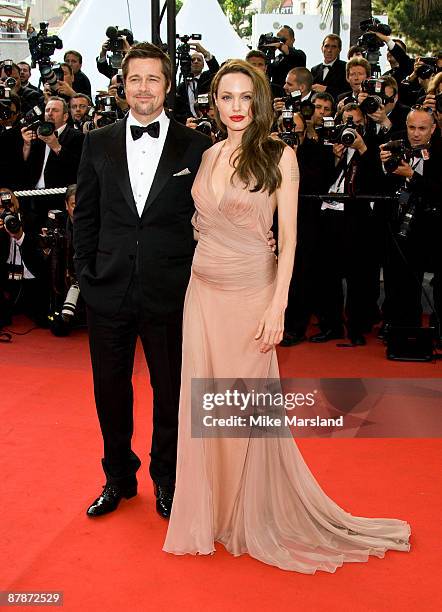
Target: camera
<point>344,133</point>
<point>5,102</point>
<point>42,46</point>
<point>204,124</point>
<point>401,152</point>
<point>51,73</point>
<point>107,108</point>
<point>8,81</point>
<point>288,135</point>
<point>183,57</point>
<point>34,121</point>
<point>115,44</point>
<point>121,93</point>
<point>377,96</point>
<point>369,41</point>
<point>293,102</point>
<point>406,213</point>
<point>10,219</point>
<point>428,69</point>
<point>269,39</point>
<point>55,233</point>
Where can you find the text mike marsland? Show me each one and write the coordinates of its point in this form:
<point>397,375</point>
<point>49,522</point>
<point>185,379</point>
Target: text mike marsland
<point>267,421</point>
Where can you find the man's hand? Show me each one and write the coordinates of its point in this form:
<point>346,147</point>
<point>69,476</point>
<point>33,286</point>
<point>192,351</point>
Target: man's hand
<point>278,105</point>
<point>104,49</point>
<point>317,87</point>
<point>28,136</point>
<point>380,116</point>
<point>191,123</point>
<point>52,142</point>
<point>359,144</point>
<point>404,170</point>
<point>199,48</point>
<point>382,37</point>
<point>65,89</point>
<point>338,150</point>
<point>430,102</point>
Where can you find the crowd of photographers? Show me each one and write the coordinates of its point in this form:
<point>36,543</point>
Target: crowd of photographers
<point>368,147</point>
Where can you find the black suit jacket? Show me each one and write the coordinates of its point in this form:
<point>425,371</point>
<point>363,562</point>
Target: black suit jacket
<point>279,68</point>
<point>335,80</point>
<point>61,170</point>
<point>111,240</point>
<point>182,107</point>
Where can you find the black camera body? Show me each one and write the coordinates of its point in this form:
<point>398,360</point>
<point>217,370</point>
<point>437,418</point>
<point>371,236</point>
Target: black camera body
<point>10,219</point>
<point>55,234</point>
<point>107,108</point>
<point>294,103</point>
<point>375,87</point>
<point>288,135</point>
<point>43,46</point>
<point>369,41</point>
<point>115,44</point>
<point>269,39</point>
<point>429,68</point>
<point>183,57</point>
<point>34,121</point>
<point>5,102</point>
<point>400,151</point>
<point>343,133</point>
<point>205,124</point>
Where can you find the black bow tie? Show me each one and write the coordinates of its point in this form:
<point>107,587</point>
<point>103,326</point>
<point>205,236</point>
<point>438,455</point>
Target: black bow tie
<point>153,129</point>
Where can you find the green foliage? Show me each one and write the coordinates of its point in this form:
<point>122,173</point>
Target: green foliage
<point>418,23</point>
<point>179,4</point>
<point>68,7</point>
<point>239,15</point>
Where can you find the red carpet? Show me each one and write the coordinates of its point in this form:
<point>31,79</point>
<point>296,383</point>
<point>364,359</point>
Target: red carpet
<point>50,472</point>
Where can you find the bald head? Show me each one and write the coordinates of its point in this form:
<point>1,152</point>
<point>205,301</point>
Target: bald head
<point>420,126</point>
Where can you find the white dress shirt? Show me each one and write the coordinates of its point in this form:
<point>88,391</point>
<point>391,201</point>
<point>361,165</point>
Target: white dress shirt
<point>192,88</point>
<point>143,156</point>
<point>338,186</point>
<point>326,68</point>
<point>41,181</point>
<point>15,255</point>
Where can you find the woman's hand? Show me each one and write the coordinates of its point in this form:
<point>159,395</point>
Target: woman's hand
<point>270,328</point>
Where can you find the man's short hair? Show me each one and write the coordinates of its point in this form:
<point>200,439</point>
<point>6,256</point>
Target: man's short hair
<point>290,30</point>
<point>333,37</point>
<point>422,109</point>
<point>146,50</point>
<point>324,95</point>
<point>255,53</point>
<point>81,95</point>
<point>401,43</point>
<point>77,55</point>
<point>303,76</point>
<point>70,191</point>
<point>358,61</point>
<point>391,82</point>
<point>62,100</point>
<point>24,64</point>
<point>347,108</point>
<point>353,50</point>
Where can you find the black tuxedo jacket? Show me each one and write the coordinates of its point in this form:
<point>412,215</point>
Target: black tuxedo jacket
<point>111,240</point>
<point>61,170</point>
<point>335,80</point>
<point>280,67</point>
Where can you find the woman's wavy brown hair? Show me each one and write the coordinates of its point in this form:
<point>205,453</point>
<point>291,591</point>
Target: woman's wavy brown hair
<point>256,162</point>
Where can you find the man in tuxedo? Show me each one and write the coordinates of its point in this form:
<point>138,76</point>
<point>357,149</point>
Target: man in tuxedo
<point>357,70</point>
<point>188,92</point>
<point>133,242</point>
<point>330,74</point>
<point>298,79</point>
<point>51,161</point>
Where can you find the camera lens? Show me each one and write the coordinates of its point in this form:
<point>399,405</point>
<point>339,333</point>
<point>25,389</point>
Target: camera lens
<point>46,128</point>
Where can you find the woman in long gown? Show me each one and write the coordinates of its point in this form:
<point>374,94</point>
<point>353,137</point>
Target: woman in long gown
<point>254,495</point>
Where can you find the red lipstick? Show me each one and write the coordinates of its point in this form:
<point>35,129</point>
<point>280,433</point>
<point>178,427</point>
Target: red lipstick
<point>237,117</point>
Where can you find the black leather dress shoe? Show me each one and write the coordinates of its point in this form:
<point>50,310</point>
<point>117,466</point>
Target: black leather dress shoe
<point>329,334</point>
<point>109,499</point>
<point>291,339</point>
<point>358,340</point>
<point>164,497</point>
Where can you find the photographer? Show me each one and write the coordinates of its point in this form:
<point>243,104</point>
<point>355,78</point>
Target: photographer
<point>188,91</point>
<point>298,79</point>
<point>62,88</point>
<point>11,160</point>
<point>415,225</point>
<point>288,58</point>
<point>79,106</point>
<point>51,160</point>
<point>28,97</point>
<point>419,80</point>
<point>433,99</point>
<point>25,75</point>
<point>390,116</point>
<point>113,51</point>
<point>329,76</point>
<point>357,71</point>
<point>81,83</point>
<point>259,61</point>
<point>346,234</point>
<point>22,266</point>
<point>116,87</point>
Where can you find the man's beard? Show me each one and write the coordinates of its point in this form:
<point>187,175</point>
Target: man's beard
<point>145,108</point>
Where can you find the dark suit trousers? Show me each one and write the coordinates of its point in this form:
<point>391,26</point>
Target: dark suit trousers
<point>112,346</point>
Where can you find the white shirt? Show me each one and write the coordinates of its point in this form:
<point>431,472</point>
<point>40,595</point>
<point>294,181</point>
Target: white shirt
<point>338,186</point>
<point>15,255</point>
<point>326,68</point>
<point>192,88</point>
<point>143,156</point>
<point>41,181</point>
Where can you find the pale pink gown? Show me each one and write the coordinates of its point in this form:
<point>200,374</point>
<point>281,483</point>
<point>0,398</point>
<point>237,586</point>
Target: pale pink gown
<point>254,495</point>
